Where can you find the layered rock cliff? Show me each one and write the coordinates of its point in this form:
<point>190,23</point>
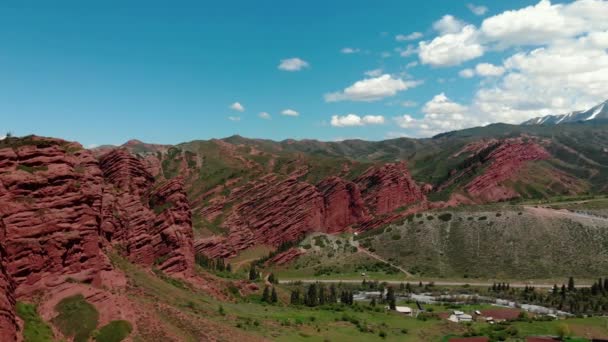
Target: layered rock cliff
<point>150,223</point>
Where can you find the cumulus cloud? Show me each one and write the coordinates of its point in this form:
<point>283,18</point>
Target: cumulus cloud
<point>477,10</point>
<point>238,107</point>
<point>264,115</point>
<point>234,118</point>
<point>408,37</point>
<point>408,104</point>
<point>449,24</point>
<point>538,25</point>
<point>356,120</point>
<point>372,89</point>
<point>451,48</point>
<point>489,70</point>
<point>348,50</point>
<point>440,114</point>
<point>467,73</point>
<point>290,112</point>
<point>483,70</point>
<point>293,64</point>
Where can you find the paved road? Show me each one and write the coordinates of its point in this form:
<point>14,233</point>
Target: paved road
<point>413,281</point>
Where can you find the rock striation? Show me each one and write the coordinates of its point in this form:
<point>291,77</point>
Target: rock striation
<point>504,161</point>
<point>50,200</point>
<point>150,223</point>
<point>388,187</point>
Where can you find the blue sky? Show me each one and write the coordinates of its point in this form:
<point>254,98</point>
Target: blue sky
<point>106,73</point>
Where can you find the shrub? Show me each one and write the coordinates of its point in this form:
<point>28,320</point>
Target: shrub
<point>396,237</point>
<point>35,329</point>
<point>445,217</point>
<point>76,318</point>
<point>114,331</point>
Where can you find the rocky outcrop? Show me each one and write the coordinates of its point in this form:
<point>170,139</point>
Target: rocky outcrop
<point>342,204</point>
<point>50,200</point>
<point>388,187</point>
<point>504,161</point>
<point>272,211</point>
<point>8,323</point>
<point>150,223</point>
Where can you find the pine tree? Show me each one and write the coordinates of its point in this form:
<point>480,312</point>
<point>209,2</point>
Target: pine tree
<point>322,296</point>
<point>373,301</point>
<point>311,295</point>
<point>571,286</point>
<point>229,268</point>
<point>271,278</point>
<point>295,297</point>
<point>273,297</point>
<point>266,295</point>
<point>390,298</point>
<point>333,295</point>
<point>253,274</point>
<point>408,288</point>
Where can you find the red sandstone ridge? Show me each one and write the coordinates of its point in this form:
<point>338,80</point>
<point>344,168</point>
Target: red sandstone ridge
<point>343,205</point>
<point>388,187</point>
<point>505,160</point>
<point>50,197</point>
<point>151,223</point>
<point>8,324</point>
<point>273,210</point>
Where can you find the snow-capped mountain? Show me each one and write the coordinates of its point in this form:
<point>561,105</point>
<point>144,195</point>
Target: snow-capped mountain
<point>598,112</point>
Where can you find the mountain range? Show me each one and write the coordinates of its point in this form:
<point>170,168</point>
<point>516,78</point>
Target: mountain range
<point>73,219</point>
<point>598,112</point>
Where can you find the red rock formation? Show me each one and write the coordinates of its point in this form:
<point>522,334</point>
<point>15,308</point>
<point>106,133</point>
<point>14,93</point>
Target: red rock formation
<point>50,197</point>
<point>343,205</point>
<point>273,210</point>
<point>285,257</point>
<point>388,187</point>
<point>8,324</point>
<point>504,162</point>
<point>151,223</point>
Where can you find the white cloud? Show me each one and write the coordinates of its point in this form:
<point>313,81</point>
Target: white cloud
<point>348,50</point>
<point>293,64</point>
<point>483,70</point>
<point>234,118</point>
<point>411,36</point>
<point>451,48</point>
<point>467,73</point>
<point>411,64</point>
<point>290,112</point>
<point>489,70</point>
<point>372,89</point>
<point>373,73</point>
<point>408,51</point>
<point>264,115</point>
<point>385,54</point>
<point>2,137</point>
<point>89,146</point>
<point>477,10</point>
<point>356,120</point>
<point>440,114</point>
<point>537,24</point>
<point>237,106</point>
<point>449,24</point>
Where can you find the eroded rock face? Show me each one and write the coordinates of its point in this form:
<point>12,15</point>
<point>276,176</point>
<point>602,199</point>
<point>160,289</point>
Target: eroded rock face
<point>343,205</point>
<point>388,187</point>
<point>151,223</point>
<point>504,162</point>
<point>8,324</point>
<point>50,200</point>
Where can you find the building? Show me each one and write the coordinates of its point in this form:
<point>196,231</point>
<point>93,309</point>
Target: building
<point>460,317</point>
<point>405,310</point>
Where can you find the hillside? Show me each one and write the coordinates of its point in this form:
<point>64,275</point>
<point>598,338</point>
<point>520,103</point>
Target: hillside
<point>241,190</point>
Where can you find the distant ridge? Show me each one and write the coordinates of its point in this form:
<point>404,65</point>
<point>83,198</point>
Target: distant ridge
<point>598,112</point>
